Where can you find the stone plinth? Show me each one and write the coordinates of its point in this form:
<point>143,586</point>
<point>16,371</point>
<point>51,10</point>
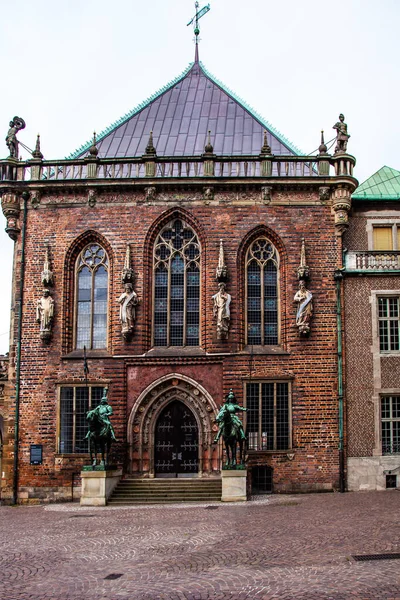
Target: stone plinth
<point>97,486</point>
<point>234,485</point>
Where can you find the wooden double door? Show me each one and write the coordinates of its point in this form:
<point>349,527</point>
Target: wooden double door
<point>176,452</point>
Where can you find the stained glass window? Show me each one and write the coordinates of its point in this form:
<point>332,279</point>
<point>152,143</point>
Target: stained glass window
<point>92,297</point>
<point>262,293</point>
<point>176,286</point>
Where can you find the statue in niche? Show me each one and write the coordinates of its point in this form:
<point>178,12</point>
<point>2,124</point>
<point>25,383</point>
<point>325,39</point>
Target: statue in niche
<point>341,135</point>
<point>305,308</point>
<point>222,301</point>
<point>45,314</point>
<point>127,312</point>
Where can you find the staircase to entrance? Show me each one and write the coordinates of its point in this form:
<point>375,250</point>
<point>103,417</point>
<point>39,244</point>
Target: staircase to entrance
<point>161,491</point>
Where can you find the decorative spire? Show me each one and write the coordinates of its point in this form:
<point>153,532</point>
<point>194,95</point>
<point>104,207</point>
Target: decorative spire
<point>266,148</point>
<point>209,149</point>
<point>195,22</point>
<point>127,271</point>
<point>37,153</point>
<point>303,272</point>
<point>150,149</point>
<point>47,275</point>
<point>222,269</point>
<point>323,148</point>
<point>93,151</point>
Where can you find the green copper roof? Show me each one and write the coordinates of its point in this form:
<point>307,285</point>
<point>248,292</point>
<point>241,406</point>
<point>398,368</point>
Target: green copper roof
<point>180,115</point>
<point>383,185</point>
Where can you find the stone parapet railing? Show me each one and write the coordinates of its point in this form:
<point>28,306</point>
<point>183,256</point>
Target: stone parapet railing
<point>176,167</point>
<point>373,260</point>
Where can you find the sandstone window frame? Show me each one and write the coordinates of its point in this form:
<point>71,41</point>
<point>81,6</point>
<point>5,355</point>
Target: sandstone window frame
<point>388,325</point>
<point>387,222</point>
<point>260,441</point>
<point>258,256</point>
<point>176,253</point>
<point>390,425</point>
<point>75,414</point>
<point>83,262</point>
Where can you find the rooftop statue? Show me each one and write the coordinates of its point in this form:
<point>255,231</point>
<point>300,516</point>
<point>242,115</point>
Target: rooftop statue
<point>101,432</point>
<point>11,140</point>
<point>341,135</point>
<point>231,429</point>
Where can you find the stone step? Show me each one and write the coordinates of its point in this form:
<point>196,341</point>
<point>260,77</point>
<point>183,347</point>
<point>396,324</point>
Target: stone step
<point>163,490</point>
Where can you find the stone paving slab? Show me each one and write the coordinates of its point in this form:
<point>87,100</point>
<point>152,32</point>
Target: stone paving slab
<point>276,547</point>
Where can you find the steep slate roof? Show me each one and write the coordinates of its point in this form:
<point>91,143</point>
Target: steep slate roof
<point>383,185</point>
<point>180,116</point>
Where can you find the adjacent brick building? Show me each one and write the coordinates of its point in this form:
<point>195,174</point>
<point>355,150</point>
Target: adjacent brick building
<point>372,296</point>
<point>189,185</point>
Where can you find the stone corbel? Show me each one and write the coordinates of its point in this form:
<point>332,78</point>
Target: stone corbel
<point>341,206</point>
<point>208,194</point>
<point>150,194</point>
<point>10,204</point>
<point>266,194</point>
<point>324,194</point>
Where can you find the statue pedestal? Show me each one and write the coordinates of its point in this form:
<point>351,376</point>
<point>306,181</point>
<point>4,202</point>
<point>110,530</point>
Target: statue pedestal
<point>97,486</point>
<point>234,485</point>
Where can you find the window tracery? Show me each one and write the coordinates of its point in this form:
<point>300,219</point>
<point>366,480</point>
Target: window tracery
<point>262,293</point>
<point>91,297</point>
<point>176,260</point>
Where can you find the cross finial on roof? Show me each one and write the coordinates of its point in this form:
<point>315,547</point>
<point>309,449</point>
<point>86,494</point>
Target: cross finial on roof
<point>195,22</point>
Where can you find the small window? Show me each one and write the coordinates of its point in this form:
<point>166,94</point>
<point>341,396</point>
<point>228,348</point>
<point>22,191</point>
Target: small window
<point>262,293</point>
<point>74,404</point>
<point>386,237</point>
<point>388,322</point>
<point>268,416</point>
<point>390,421</point>
<point>91,297</point>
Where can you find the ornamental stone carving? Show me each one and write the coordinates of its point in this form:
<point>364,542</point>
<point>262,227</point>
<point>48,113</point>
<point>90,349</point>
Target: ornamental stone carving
<point>266,194</point>
<point>35,198</point>
<point>150,194</point>
<point>305,308</point>
<point>341,205</point>
<point>324,194</point>
<point>10,204</point>
<point>92,198</point>
<point>47,274</point>
<point>208,194</point>
<point>45,315</point>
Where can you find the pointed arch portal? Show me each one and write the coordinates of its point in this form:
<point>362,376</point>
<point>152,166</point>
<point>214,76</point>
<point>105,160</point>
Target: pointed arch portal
<point>171,429</point>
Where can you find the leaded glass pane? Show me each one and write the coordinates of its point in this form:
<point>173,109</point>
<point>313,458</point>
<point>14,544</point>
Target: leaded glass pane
<point>390,424</point>
<point>66,420</point>
<point>176,286</point>
<point>389,324</point>
<point>267,416</point>
<point>252,405</point>
<point>81,428</point>
<point>254,305</point>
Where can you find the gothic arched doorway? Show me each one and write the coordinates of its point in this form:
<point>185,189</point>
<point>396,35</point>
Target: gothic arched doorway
<point>176,442</point>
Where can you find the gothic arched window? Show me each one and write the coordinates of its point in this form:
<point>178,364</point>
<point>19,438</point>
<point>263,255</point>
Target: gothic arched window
<point>262,293</point>
<point>176,286</point>
<point>91,297</point>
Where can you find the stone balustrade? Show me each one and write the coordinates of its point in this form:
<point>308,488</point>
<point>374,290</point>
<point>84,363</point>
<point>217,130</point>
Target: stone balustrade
<point>373,260</point>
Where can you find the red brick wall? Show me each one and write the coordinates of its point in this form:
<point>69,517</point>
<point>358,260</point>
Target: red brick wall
<point>118,220</point>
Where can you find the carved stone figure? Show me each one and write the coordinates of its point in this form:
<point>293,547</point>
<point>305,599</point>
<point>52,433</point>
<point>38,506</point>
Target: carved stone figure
<point>222,269</point>
<point>45,314</point>
<point>208,194</point>
<point>11,140</point>
<point>305,308</point>
<point>47,274</point>
<point>150,193</point>
<point>222,302</point>
<point>92,198</point>
<point>266,194</point>
<point>127,312</point>
<point>341,135</point>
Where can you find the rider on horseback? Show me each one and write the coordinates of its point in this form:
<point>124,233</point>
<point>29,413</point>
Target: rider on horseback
<point>232,407</point>
<point>103,411</point>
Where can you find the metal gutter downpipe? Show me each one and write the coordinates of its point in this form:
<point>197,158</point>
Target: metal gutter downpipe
<point>339,276</point>
<point>25,196</point>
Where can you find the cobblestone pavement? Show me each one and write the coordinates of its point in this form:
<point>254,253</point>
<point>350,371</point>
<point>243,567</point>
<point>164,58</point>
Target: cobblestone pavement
<point>282,547</point>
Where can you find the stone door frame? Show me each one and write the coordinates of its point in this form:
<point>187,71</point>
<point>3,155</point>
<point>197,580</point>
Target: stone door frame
<point>146,410</point>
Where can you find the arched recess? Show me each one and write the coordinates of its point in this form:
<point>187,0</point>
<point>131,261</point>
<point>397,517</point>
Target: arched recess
<point>262,231</point>
<point>150,239</point>
<point>71,255</point>
<point>143,418</point>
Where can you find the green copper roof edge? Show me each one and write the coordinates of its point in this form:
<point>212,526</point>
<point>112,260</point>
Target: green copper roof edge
<point>364,196</point>
<point>253,112</point>
<point>131,113</point>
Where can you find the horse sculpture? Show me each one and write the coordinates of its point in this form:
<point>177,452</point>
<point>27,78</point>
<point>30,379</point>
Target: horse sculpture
<point>101,432</point>
<point>231,429</point>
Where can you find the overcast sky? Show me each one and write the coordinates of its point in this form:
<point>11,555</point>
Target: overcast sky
<point>70,68</point>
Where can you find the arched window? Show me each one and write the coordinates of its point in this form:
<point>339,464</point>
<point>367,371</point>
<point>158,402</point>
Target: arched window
<point>176,286</point>
<point>91,297</point>
<point>262,293</point>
